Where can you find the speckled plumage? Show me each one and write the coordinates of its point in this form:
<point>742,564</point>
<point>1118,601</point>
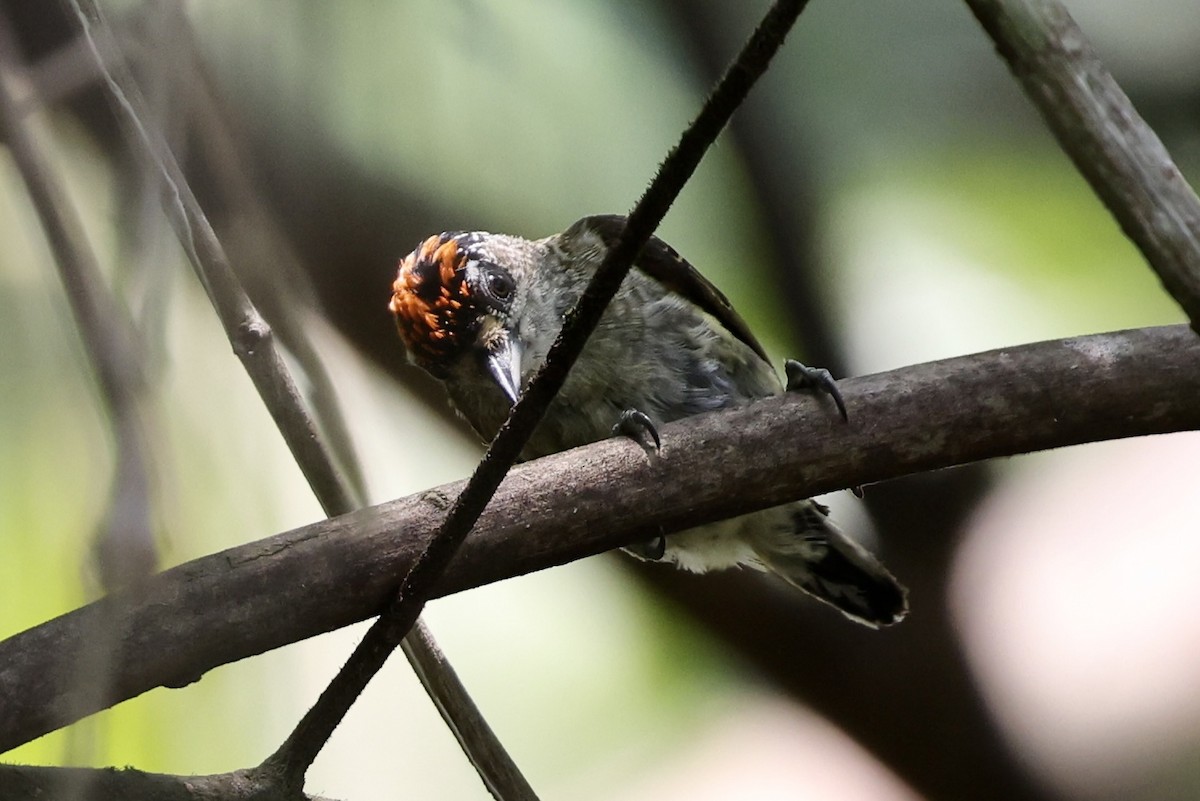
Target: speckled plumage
<point>669,345</point>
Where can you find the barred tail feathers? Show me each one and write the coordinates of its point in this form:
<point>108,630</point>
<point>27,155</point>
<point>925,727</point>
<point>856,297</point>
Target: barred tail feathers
<point>811,553</point>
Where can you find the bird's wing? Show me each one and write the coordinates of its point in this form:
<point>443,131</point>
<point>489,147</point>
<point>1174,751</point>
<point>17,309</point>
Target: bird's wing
<point>661,262</point>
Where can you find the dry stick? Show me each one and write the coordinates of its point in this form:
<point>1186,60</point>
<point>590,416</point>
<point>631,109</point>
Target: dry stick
<point>305,742</point>
<point>496,768</point>
<point>236,179</point>
<point>252,341</point>
<point>262,595</point>
<point>1116,151</point>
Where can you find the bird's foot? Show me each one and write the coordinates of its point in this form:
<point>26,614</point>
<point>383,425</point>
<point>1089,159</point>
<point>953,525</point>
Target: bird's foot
<point>640,428</point>
<point>650,550</point>
<point>801,378</point>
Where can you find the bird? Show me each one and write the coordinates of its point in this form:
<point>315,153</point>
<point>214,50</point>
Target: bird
<point>479,311</point>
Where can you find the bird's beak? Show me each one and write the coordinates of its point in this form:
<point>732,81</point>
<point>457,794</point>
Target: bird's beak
<point>504,363</point>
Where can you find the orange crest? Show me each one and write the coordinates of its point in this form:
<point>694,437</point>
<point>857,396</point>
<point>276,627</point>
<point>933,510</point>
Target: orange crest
<point>432,302</point>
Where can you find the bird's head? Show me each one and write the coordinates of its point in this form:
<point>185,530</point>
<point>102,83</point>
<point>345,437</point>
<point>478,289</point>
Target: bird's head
<point>455,297</point>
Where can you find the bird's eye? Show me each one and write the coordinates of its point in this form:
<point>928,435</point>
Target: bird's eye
<point>498,284</point>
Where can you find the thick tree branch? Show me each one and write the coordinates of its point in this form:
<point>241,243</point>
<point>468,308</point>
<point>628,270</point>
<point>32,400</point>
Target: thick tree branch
<point>1112,146</point>
<point>35,783</point>
<point>259,596</point>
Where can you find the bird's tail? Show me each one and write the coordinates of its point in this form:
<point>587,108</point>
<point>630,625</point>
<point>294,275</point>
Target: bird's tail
<point>811,553</point>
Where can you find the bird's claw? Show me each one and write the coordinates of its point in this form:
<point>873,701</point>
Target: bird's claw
<point>640,428</point>
<point>802,378</point>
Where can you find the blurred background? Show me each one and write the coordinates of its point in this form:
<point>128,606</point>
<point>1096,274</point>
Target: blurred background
<point>887,196</point>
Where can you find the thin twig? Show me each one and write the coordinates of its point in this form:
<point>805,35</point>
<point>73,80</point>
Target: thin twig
<point>270,270</point>
<point>1112,146</point>
<point>253,342</point>
<point>262,595</point>
<point>499,772</point>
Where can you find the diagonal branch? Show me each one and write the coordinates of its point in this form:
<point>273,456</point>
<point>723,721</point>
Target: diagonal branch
<point>420,577</point>
<point>265,594</point>
<point>1112,146</point>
